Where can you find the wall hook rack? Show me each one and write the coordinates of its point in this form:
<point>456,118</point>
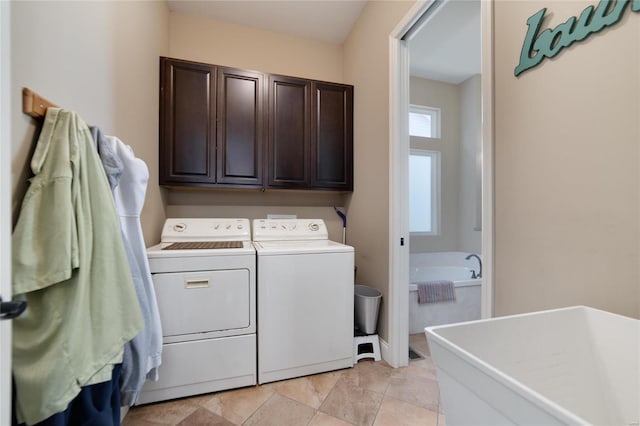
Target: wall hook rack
<point>35,105</point>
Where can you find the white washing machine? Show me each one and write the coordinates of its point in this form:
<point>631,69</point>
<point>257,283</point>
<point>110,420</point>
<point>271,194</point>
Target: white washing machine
<point>205,280</point>
<point>305,299</point>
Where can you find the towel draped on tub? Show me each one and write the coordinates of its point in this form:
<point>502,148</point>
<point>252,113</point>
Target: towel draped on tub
<point>436,291</point>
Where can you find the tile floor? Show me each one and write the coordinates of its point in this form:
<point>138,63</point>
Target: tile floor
<point>370,393</point>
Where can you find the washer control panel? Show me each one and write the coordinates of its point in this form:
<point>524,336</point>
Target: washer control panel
<point>289,229</point>
<point>205,229</point>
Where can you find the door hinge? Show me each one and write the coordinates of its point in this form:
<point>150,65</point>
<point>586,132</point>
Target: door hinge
<point>402,241</point>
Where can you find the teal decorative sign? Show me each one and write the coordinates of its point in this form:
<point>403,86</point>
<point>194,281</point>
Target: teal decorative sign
<point>548,43</point>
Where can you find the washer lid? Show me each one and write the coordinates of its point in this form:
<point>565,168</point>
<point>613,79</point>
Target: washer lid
<point>266,248</point>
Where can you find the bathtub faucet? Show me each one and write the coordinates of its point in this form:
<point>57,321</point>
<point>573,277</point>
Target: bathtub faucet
<point>473,272</point>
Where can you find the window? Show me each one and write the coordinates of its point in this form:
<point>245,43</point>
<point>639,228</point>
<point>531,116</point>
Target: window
<point>424,121</point>
<point>424,191</point>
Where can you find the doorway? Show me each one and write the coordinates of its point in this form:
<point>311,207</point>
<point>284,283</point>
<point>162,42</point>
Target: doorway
<point>420,16</point>
<point>5,212</point>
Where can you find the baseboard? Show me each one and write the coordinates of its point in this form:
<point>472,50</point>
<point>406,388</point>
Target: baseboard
<point>384,350</point>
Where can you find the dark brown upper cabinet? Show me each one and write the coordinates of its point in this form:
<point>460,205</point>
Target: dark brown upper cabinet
<point>332,140</point>
<point>225,127</point>
<point>310,134</point>
<point>240,126</point>
<point>289,144</point>
<point>212,125</point>
<point>187,122</point>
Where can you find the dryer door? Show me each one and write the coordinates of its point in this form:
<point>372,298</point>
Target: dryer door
<point>204,301</point>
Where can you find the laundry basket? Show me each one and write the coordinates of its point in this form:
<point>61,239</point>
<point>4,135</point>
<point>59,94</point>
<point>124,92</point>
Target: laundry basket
<point>367,304</point>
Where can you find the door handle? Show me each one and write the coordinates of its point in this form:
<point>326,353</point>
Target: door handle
<point>11,309</point>
<point>197,283</point>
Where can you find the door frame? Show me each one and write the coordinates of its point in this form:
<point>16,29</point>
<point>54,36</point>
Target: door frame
<point>397,350</point>
<point>5,209</point>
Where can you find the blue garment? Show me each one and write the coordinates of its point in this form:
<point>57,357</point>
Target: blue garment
<point>95,405</point>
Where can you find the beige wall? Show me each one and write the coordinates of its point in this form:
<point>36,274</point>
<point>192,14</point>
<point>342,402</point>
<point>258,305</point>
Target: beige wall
<point>446,97</point>
<point>222,43</point>
<point>567,138</point>
<point>366,62</point>
<point>100,59</point>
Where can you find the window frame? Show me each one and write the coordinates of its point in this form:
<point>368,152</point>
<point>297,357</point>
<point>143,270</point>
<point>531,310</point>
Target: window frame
<point>434,113</point>
<point>435,191</point>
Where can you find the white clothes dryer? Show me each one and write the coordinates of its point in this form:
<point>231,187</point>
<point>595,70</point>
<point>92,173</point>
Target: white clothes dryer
<point>205,280</point>
<point>305,299</point>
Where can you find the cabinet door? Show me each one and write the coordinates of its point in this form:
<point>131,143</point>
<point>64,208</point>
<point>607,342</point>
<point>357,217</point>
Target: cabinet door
<point>289,132</point>
<point>240,103</point>
<point>332,140</point>
<point>187,124</point>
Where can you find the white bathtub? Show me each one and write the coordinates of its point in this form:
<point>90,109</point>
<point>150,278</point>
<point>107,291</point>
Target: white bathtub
<point>443,266</point>
<point>570,366</point>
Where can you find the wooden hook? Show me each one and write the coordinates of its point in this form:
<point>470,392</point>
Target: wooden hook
<point>34,105</point>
